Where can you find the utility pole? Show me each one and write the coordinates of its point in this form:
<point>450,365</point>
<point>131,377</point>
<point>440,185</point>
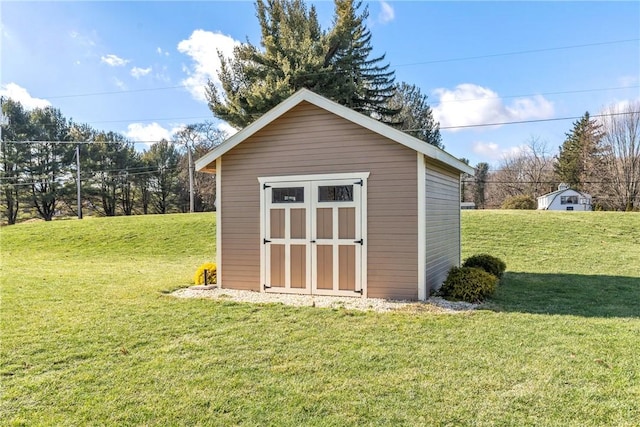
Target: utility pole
<point>78,181</point>
<point>191,196</point>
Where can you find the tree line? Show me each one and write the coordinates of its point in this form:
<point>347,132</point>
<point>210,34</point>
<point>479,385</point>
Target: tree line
<point>599,156</point>
<point>41,150</point>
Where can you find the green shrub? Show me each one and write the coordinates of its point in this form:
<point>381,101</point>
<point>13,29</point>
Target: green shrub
<point>468,284</point>
<point>519,202</point>
<point>212,269</point>
<point>488,263</point>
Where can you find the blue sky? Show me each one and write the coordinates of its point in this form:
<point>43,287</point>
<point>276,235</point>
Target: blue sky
<point>139,67</point>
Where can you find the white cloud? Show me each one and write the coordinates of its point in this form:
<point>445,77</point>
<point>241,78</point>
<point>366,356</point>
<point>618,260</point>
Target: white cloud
<point>493,151</point>
<point>619,106</point>
<point>470,104</point>
<point>630,80</point>
<point>113,60</point>
<point>227,129</point>
<point>138,72</point>
<point>162,52</point>
<point>486,149</point>
<point>203,46</point>
<point>387,14</point>
<point>5,32</point>
<point>162,75</point>
<point>515,151</point>
<point>82,39</point>
<point>20,94</point>
<point>119,84</point>
<point>149,133</point>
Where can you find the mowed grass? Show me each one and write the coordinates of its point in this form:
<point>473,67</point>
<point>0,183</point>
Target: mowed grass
<point>91,337</point>
<point>580,263</point>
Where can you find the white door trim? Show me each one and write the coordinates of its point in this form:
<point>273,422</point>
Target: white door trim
<point>287,240</point>
<point>219,222</point>
<point>335,241</point>
<point>423,292</point>
<point>362,219</point>
<point>314,177</point>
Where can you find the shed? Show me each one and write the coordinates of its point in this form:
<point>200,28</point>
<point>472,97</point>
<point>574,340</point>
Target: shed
<point>565,199</point>
<point>315,198</point>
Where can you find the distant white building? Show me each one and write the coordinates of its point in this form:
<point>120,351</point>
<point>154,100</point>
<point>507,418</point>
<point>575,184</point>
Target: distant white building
<point>467,205</point>
<point>565,199</point>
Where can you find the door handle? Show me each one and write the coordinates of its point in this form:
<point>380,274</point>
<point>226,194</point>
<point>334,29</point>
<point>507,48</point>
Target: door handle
<point>313,241</point>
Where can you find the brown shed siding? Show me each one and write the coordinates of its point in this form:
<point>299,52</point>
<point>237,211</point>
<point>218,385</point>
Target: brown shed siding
<point>443,222</point>
<point>310,140</point>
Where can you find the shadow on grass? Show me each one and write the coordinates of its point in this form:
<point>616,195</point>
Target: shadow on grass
<point>579,295</point>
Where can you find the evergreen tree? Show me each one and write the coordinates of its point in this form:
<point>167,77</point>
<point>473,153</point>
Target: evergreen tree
<point>110,157</point>
<point>48,161</point>
<point>578,158</point>
<point>295,53</point>
<point>361,83</point>
<point>292,57</point>
<point>480,181</point>
<point>415,115</point>
<point>164,158</point>
<point>13,157</point>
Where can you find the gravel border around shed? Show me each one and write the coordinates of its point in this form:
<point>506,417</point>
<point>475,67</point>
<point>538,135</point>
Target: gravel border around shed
<point>433,304</point>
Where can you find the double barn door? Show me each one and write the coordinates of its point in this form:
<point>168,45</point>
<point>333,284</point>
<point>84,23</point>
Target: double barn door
<point>313,237</point>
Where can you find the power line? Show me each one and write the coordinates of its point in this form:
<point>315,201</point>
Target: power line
<point>117,92</point>
<point>93,142</point>
<point>435,61</point>
<point>153,120</point>
<point>542,93</point>
<point>441,102</point>
<point>257,115</point>
<point>520,52</point>
<point>529,121</point>
<point>66,142</point>
<point>86,178</point>
<point>405,130</point>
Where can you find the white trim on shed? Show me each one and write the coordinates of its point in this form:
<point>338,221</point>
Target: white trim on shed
<point>339,110</point>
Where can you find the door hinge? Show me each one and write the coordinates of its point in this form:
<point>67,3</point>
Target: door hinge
<point>359,241</point>
<point>359,182</point>
<point>265,186</point>
<point>265,241</point>
<point>265,287</point>
<point>358,292</point>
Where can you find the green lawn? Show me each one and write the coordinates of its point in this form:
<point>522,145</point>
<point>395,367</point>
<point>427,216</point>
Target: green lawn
<point>89,335</point>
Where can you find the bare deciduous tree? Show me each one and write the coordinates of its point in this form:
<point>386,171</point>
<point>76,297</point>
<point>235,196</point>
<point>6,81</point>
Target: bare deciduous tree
<point>530,172</point>
<point>200,138</point>
<point>621,153</point>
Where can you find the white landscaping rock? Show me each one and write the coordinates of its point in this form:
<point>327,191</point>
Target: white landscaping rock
<point>435,304</point>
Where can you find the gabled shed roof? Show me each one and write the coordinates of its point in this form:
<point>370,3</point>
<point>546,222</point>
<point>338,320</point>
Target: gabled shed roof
<point>207,162</point>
